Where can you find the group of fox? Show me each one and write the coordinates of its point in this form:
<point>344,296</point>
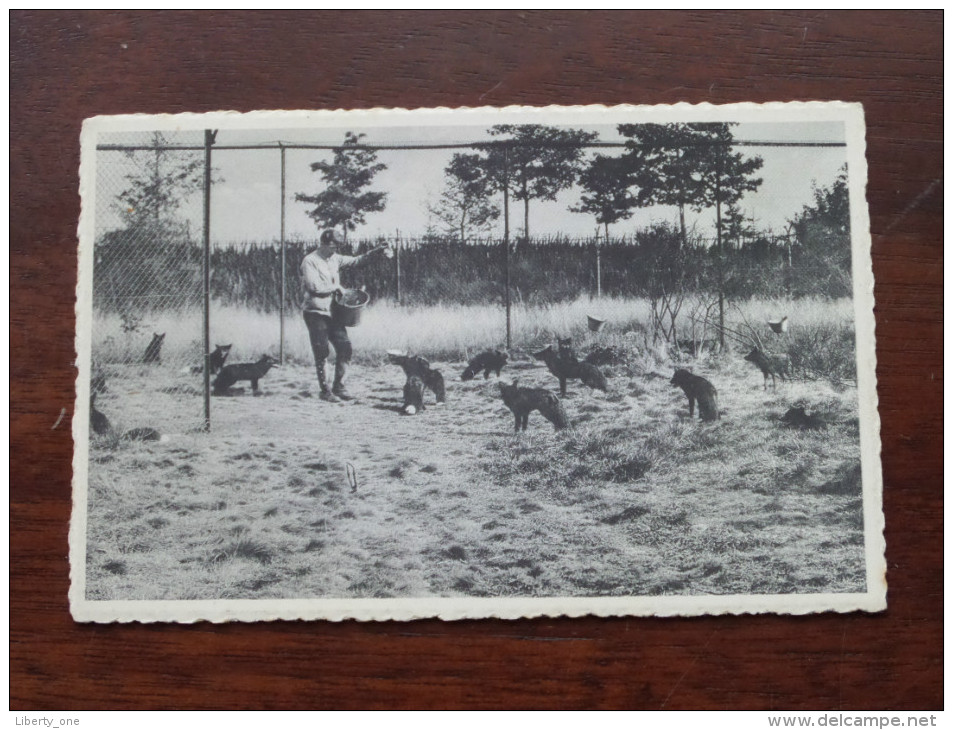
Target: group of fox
<point>564,364</point>
<point>521,401</point>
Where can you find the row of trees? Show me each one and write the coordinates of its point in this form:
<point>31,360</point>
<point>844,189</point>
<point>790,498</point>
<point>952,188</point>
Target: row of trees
<point>690,166</point>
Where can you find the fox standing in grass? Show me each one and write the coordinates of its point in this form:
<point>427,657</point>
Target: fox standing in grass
<point>487,361</point>
<point>770,365</point>
<point>253,371</point>
<point>697,388</point>
<point>413,396</point>
<point>522,401</point>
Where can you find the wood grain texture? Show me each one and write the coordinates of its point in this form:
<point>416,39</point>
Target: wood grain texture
<point>66,66</point>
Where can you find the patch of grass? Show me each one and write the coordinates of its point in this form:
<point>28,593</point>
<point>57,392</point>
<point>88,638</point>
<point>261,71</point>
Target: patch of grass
<point>116,567</point>
<point>247,549</point>
<point>626,515</point>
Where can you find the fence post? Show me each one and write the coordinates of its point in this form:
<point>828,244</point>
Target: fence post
<point>506,241</point>
<point>206,269</point>
<point>397,264</point>
<point>281,308</point>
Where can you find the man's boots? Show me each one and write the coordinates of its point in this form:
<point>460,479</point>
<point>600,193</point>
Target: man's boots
<point>340,372</point>
<point>326,393</point>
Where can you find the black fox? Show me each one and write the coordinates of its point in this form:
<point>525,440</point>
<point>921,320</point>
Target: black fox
<point>154,348</point>
<point>568,368</point>
<point>488,361</point>
<point>97,420</point>
<point>773,365</point>
<point>565,349</point>
<point>216,359</point>
<point>587,371</point>
<point>522,401</point>
<point>413,396</point>
<point>697,388</point>
<point>253,371</point>
<point>419,366</point>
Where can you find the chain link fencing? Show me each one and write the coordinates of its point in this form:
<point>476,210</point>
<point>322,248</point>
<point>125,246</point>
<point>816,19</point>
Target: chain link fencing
<point>438,296</point>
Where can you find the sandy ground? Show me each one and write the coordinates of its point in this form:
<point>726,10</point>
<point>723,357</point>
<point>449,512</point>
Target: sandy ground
<point>449,502</point>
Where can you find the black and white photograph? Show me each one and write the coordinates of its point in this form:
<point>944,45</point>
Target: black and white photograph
<point>394,364</point>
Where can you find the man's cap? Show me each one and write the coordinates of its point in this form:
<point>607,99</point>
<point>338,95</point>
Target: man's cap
<point>331,237</point>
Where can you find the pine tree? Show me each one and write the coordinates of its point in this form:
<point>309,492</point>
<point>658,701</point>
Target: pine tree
<point>344,202</point>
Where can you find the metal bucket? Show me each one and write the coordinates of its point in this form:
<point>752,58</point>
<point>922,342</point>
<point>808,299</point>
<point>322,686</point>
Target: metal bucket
<point>595,324</point>
<point>346,308</point>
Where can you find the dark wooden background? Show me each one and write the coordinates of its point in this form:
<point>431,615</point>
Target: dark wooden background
<point>66,66</point>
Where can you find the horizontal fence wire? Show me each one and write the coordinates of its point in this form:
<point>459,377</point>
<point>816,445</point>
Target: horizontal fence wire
<point>148,298</point>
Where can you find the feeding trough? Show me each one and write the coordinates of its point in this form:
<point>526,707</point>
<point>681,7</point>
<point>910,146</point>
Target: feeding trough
<point>778,326</point>
<point>595,323</point>
<point>346,308</point>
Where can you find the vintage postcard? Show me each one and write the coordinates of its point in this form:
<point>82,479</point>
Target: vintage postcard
<point>395,364</point>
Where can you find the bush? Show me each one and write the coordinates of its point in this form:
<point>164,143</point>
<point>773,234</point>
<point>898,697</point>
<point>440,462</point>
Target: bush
<point>824,351</point>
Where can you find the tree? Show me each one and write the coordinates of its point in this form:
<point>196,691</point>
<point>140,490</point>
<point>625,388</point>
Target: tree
<point>464,204</point>
<point>607,195</point>
<point>693,165</point>
<point>164,181</point>
<point>151,259</point>
<point>736,228</point>
<point>822,236</point>
<point>689,165</point>
<point>344,202</point>
<point>727,176</point>
<point>537,161</point>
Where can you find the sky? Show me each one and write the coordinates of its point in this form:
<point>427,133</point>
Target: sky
<point>246,200</point>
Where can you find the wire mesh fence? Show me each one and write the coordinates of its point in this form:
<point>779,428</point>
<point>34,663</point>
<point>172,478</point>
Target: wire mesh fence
<point>147,335</point>
<point>440,294</point>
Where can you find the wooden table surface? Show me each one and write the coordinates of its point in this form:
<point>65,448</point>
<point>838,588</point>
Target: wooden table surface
<point>66,66</point>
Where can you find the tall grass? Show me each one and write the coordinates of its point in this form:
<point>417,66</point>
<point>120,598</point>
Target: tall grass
<point>820,335</point>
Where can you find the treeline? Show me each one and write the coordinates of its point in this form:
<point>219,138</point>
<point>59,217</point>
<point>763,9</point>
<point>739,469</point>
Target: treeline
<point>148,270</point>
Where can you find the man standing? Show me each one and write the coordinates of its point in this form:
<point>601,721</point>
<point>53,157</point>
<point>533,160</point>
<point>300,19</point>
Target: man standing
<point>320,274</point>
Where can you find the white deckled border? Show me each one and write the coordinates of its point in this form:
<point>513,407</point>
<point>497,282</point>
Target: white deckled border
<point>875,597</point>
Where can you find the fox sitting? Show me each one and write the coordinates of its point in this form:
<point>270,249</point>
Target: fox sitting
<point>697,388</point>
<point>253,371</point>
<point>97,420</point>
<point>413,396</point>
<point>487,361</point>
<point>419,366</point>
<point>522,401</point>
<point>770,365</point>
<point>154,348</point>
<point>569,368</point>
<point>216,358</point>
